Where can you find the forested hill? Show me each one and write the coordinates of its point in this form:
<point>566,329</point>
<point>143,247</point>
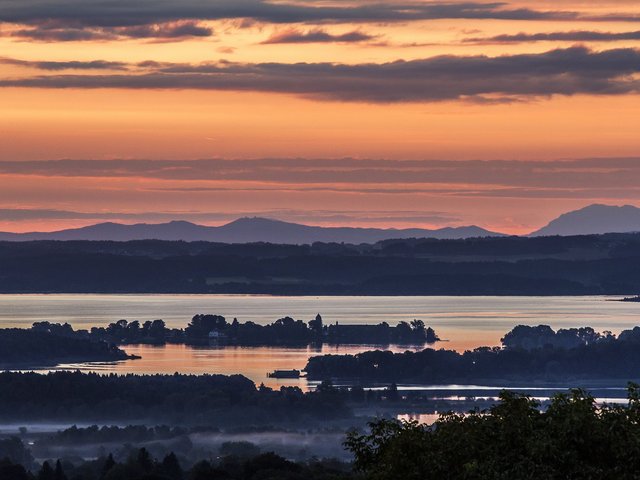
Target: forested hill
<point>580,265</point>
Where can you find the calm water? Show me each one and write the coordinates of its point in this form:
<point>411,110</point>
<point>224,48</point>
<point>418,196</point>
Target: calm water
<point>465,322</point>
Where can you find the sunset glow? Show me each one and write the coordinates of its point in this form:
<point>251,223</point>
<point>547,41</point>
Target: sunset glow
<point>391,114</point>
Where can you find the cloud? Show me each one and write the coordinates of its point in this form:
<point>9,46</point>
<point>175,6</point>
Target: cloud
<point>364,216</point>
<point>39,214</point>
<point>166,30</point>
<point>110,13</point>
<point>431,190</point>
<point>573,36</point>
<point>570,71</point>
<point>70,65</point>
<point>317,35</point>
<point>29,214</point>
<point>320,216</point>
<point>48,31</point>
<point>63,34</point>
<point>358,175</point>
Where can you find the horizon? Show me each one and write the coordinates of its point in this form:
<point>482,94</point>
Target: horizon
<point>237,219</point>
<point>309,224</point>
<point>524,218</point>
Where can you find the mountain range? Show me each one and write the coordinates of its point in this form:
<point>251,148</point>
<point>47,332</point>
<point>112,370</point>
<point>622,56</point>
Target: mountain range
<point>246,230</point>
<point>594,219</point>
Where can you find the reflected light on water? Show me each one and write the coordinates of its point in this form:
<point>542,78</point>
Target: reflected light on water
<point>422,418</point>
<point>252,362</point>
<point>463,322</point>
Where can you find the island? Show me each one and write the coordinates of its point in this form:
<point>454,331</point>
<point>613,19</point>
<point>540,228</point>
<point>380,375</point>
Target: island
<point>208,329</point>
<point>21,348</point>
<point>533,354</point>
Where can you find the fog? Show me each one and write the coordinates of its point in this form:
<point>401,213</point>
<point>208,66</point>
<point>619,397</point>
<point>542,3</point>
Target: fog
<point>51,441</point>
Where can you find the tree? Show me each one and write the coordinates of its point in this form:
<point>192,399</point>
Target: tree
<point>14,450</point>
<point>170,467</point>
<point>46,472</point>
<point>109,463</point>
<point>202,471</point>
<point>12,471</point>
<point>392,392</point>
<point>315,326</point>
<point>404,332</point>
<point>418,326</point>
<point>157,329</point>
<point>242,449</point>
<point>58,474</point>
<point>144,460</point>
<point>269,462</point>
<point>201,325</point>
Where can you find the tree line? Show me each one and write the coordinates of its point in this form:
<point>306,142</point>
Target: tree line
<point>206,328</point>
<point>582,265</point>
<point>214,400</point>
<point>141,465</point>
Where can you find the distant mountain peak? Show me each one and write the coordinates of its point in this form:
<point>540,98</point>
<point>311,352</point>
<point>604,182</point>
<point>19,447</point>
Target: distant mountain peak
<point>601,207</point>
<point>255,221</point>
<point>594,219</point>
<point>463,227</point>
<point>180,222</point>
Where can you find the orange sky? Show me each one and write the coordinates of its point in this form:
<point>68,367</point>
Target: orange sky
<point>227,93</point>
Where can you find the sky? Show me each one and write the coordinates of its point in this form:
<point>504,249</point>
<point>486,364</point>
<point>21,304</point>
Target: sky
<point>365,113</point>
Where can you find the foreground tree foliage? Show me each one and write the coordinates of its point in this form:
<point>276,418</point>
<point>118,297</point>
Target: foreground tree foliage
<point>573,439</point>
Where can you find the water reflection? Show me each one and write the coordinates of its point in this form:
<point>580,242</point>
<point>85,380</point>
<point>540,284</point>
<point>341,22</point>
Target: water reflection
<point>466,322</point>
<point>252,362</point>
<point>423,418</point>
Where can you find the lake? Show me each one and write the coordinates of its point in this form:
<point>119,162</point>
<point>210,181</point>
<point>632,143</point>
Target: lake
<point>464,322</point>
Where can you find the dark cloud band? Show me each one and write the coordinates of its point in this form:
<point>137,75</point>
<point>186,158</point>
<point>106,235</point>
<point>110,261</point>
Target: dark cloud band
<point>70,65</point>
<point>384,176</point>
<point>317,36</point>
<point>573,36</point>
<point>371,216</point>
<point>569,71</point>
<point>48,32</point>
<point>109,13</point>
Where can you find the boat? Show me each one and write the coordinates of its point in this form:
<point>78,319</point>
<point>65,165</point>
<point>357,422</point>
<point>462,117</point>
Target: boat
<point>631,299</point>
<point>284,374</point>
